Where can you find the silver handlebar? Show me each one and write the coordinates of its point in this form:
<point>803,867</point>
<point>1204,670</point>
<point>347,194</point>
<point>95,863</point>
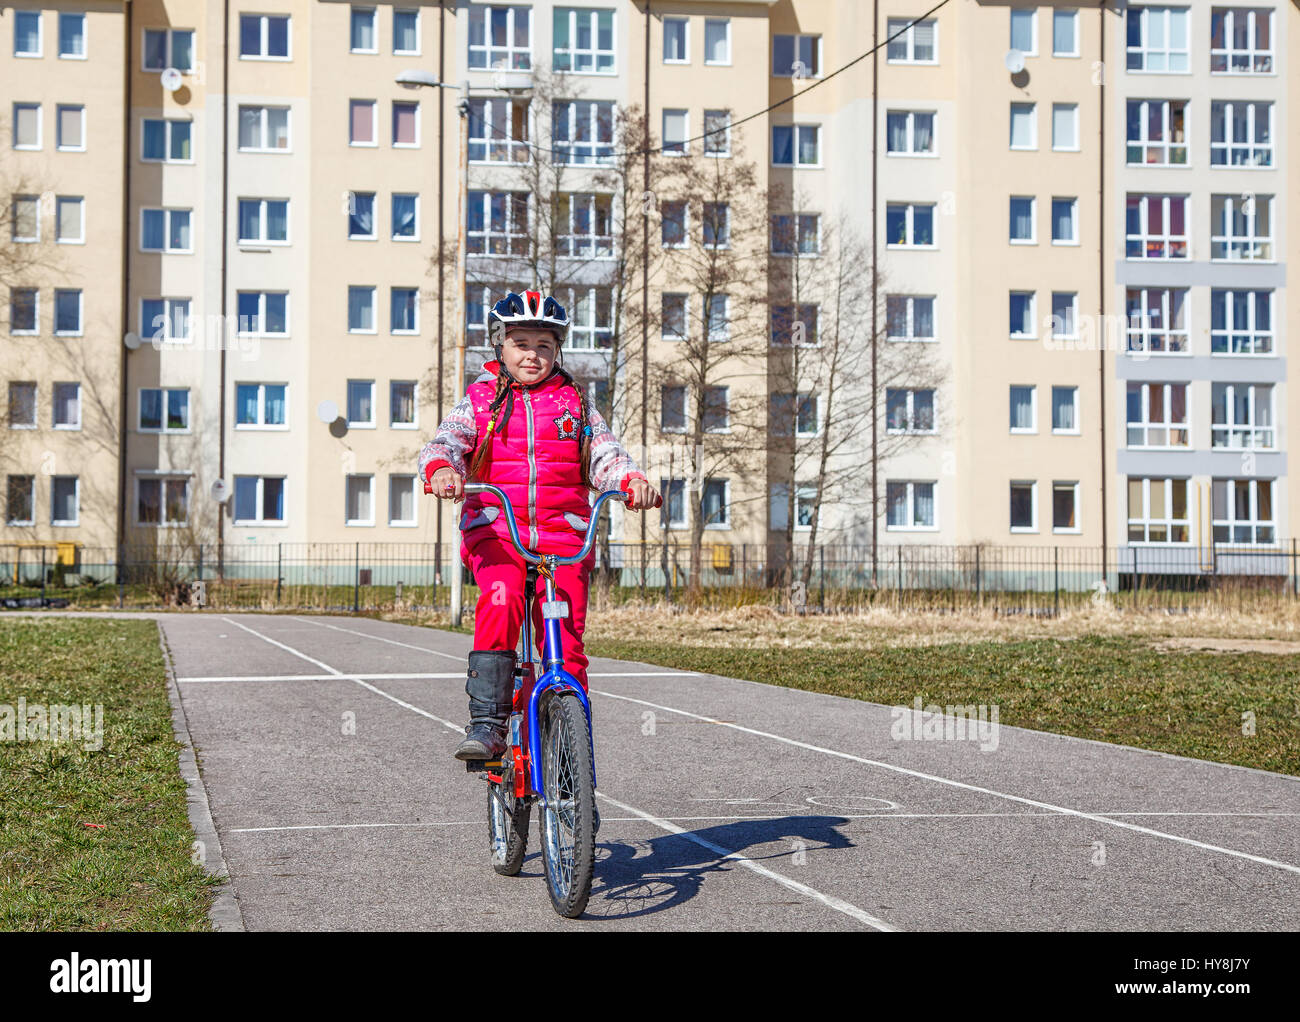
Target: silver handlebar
<point>528,555</point>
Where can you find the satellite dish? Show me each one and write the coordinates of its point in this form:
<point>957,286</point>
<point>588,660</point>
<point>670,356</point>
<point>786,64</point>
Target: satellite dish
<point>171,79</point>
<point>132,340</point>
<point>220,491</point>
<point>327,411</point>
<point>1015,61</point>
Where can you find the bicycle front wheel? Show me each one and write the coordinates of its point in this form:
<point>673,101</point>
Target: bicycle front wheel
<point>568,824</point>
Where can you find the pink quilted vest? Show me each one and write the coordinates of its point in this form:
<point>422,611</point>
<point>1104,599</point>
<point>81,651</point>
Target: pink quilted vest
<point>533,457</point>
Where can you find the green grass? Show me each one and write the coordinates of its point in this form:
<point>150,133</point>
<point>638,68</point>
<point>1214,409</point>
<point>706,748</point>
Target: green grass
<point>134,873</point>
<point>1111,689</point>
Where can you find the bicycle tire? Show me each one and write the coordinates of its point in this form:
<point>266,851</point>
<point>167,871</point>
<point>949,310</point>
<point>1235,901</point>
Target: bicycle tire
<point>568,830</point>
<point>506,850</point>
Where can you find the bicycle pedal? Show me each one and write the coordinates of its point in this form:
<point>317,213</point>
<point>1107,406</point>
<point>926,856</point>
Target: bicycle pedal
<point>478,766</point>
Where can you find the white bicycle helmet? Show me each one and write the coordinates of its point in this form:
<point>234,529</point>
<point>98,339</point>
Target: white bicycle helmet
<point>531,308</point>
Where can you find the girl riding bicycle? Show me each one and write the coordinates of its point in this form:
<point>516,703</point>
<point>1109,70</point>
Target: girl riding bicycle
<point>524,425</point>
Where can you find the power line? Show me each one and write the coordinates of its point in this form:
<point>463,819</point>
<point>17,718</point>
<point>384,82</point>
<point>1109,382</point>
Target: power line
<point>730,124</point>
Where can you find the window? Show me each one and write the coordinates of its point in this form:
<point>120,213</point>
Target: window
<point>716,222</point>
<point>362,122</point>
<point>164,410</point>
<point>717,41</point>
<point>67,312</point>
<point>164,319</point>
<point>1241,322</point>
<point>715,317</point>
<point>1157,321</point>
<point>672,409</point>
<point>1241,227</point>
<point>795,324</point>
<point>1065,33</point>
<point>1024,31</point>
<point>69,220</point>
<point>805,503</point>
<point>1156,132</point>
<point>674,494</point>
<point>361,215</point>
<point>715,504</point>
<point>24,310</point>
<point>1241,40</point>
<point>27,125</point>
<point>673,224</point>
<point>71,127</point>
<point>1157,510</point>
<point>259,500</point>
<point>1243,510</point>
<point>1156,227</point>
<point>912,43</point>
<point>717,408</point>
<point>263,313</point>
<point>784,414</point>
<point>165,230</point>
<point>365,34</point>
<point>265,36</point>
<point>266,128</point>
<point>1065,409</point>
<point>406,32</point>
<point>1024,126</point>
<point>500,37</point>
<point>1157,415</point>
<point>361,403</point>
<point>909,411</point>
<point>401,404</point>
<point>909,504</point>
<point>1241,415</point>
<point>1022,220</point>
<point>498,223</point>
<point>263,220</point>
<point>591,313</point>
<point>1241,134</point>
<point>65,500</point>
<point>479,298</point>
<point>66,410</point>
<point>908,133</point>
<point>26,225</point>
<point>909,225</point>
<point>1065,219</point>
<point>1024,506</point>
<point>361,309</point>
<point>1157,39</point>
<point>22,405</point>
<point>796,234</point>
<point>406,124</point>
<point>585,225</point>
<point>165,141</point>
<point>20,501</point>
<point>584,40</point>
<point>673,326</point>
<point>164,48</point>
<point>1065,127</point>
<point>798,56</point>
<point>1065,506</point>
<point>909,317</point>
<point>401,500</point>
<point>160,500</point>
<point>1024,409</point>
<point>498,131</point>
<point>796,145</point>
<point>677,40</point>
<point>583,132</point>
<point>404,310</point>
<point>27,34</point>
<point>717,133</point>
<point>1065,314</point>
<point>261,405</point>
<point>1022,314</point>
<point>676,132</point>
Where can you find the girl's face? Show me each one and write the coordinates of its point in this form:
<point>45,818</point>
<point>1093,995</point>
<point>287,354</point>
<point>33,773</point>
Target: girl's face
<point>529,353</point>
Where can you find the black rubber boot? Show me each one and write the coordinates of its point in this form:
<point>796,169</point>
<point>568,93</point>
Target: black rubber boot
<point>490,685</point>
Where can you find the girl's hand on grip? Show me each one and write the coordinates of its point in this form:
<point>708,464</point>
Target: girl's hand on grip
<point>447,484</point>
<point>643,495</point>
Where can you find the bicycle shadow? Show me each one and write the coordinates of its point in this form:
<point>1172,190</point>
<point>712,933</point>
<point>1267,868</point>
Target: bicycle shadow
<point>629,883</point>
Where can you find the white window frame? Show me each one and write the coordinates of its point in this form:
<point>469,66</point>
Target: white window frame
<point>725,524</point>
<point>264,116</point>
<point>1144,52</point>
<point>1260,342</point>
<point>509,52</point>
<point>1073,110</point>
<point>374,123</point>
<point>31,500</point>
<point>595,51</point>
<point>664,388</point>
<point>601,151</point>
<point>704,42</point>
<point>76,502</point>
<point>168,123</point>
<point>40,34</point>
<point>684,142</point>
<point>264,36</point>
<point>911,152</point>
<point>162,479</point>
<point>262,221</point>
<point>1172,299</point>
<point>40,126</point>
<point>726,409</point>
<point>261,425</point>
<point>261,314</point>
<point>910,491</point>
<point>415,404</point>
<point>1032,12</point>
<point>909,221</point>
<point>515,237</point>
<point>414,106</point>
<point>36,407</point>
<point>1032,428</point>
<point>685,22</point>
<point>797,315</point>
<point>1074,403</point>
<point>167,212</point>
<point>372,422</point>
<point>1073,325</point>
<point>1033,315</point>
<point>1033,221</point>
<point>908,39</point>
<point>374,308</point>
<point>718,336</point>
<point>362,10</point>
<point>1073,16</point>
<point>392,295</point>
<point>1229,434</point>
<point>1251,243</point>
<point>795,48</point>
<point>59,202</point>
<point>81,312</point>
<point>352,203</point>
<point>666,488</point>
<point>798,399</point>
<point>1165,144</point>
<point>36,312</point>
<point>591,245</point>
<point>910,411</point>
<point>1228,52</point>
<point>711,135</point>
<point>1223,109</point>
<point>1146,521</point>
<point>1167,241</point>
<point>798,220</point>
<point>911,336</point>
<point>170,56</point>
<point>409,481</point>
<point>34,203</point>
<point>1145,423</point>
<point>259,500</point>
<point>686,224</point>
<point>1033,127</point>
<point>1073,200</point>
<point>685,301</point>
<point>392,225</point>
<point>165,409</point>
<point>1066,530</point>
<point>1254,523</point>
<point>584,334</point>
<point>796,133</point>
<point>166,336</point>
<point>706,220</point>
<point>54,405</point>
<point>492,124</point>
<point>59,144</point>
<point>419,29</point>
<point>1033,505</point>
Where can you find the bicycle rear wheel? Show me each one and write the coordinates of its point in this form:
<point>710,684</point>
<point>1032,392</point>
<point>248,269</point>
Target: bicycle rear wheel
<point>507,827</point>
<point>568,827</point>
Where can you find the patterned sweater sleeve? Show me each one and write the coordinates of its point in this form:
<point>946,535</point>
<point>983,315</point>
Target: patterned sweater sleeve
<point>454,442</point>
<point>611,465</point>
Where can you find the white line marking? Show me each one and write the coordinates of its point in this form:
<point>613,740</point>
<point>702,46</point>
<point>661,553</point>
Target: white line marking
<point>378,638</point>
<point>830,901</point>
<point>972,787</point>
